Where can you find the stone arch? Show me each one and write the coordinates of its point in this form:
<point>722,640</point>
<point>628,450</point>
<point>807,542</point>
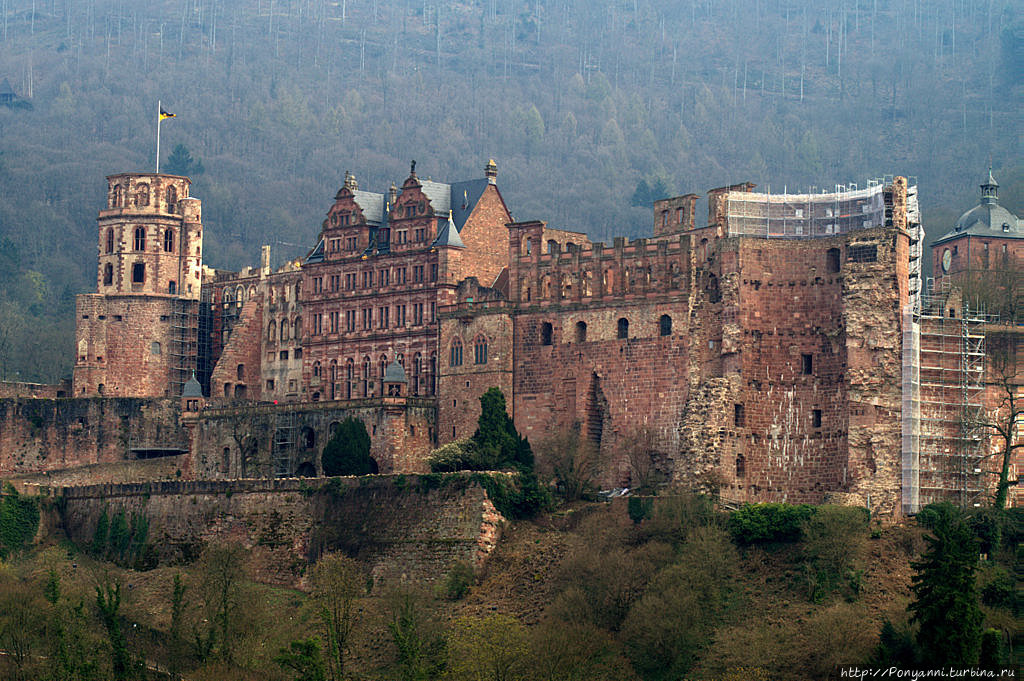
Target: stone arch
<point>307,438</point>
<point>581,332</point>
<point>306,470</point>
<point>586,284</point>
<point>142,194</point>
<point>622,328</point>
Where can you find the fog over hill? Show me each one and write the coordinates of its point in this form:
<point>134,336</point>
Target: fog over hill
<point>590,108</point>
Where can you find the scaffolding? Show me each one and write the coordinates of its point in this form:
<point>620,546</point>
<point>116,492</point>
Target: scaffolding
<point>943,401</point>
<point>184,342</point>
<point>285,444</point>
<point>805,215</point>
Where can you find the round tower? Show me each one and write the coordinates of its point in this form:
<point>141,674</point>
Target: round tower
<point>137,336</point>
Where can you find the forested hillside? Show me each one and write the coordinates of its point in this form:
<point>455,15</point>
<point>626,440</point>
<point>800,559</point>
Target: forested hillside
<point>590,107</point>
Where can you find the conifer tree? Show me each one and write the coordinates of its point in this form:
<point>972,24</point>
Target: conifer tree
<point>946,607</point>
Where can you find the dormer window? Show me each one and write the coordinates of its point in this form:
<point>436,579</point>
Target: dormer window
<point>1006,226</point>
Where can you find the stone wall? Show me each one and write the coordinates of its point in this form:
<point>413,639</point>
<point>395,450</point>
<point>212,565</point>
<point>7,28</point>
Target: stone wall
<point>50,435</point>
<point>401,528</point>
<point>250,440</point>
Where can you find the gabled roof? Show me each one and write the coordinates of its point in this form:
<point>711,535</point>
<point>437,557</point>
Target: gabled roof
<point>440,195</point>
<point>448,235</point>
<point>464,197</point>
<point>372,205</point>
<point>317,254</point>
<point>192,388</point>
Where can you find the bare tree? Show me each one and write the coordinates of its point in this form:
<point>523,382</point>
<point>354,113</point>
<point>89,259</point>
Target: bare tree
<point>1006,380</point>
<point>337,582</point>
<point>572,461</point>
<point>643,456</point>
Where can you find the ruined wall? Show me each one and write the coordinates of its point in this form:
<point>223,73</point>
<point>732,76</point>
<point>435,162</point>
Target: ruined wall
<point>49,391</point>
<point>601,339</point>
<point>249,440</point>
<point>400,528</point>
<point>238,373</point>
<point>51,435</point>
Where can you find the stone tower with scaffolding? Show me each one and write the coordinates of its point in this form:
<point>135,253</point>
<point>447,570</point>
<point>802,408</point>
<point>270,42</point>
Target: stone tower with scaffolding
<point>137,336</point>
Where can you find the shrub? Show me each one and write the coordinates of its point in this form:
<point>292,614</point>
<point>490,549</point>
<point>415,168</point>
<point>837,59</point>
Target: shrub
<point>348,451</point>
<point>458,581</point>
<point>639,508</point>
<point>930,515</point>
<point>761,523</point>
<point>19,520</point>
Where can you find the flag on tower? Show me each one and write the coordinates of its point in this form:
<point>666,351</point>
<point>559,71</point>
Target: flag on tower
<point>165,114</point>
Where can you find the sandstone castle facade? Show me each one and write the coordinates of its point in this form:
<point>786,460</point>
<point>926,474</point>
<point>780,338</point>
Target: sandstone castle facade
<point>768,352</point>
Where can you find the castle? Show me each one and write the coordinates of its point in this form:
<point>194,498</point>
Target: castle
<point>776,352</point>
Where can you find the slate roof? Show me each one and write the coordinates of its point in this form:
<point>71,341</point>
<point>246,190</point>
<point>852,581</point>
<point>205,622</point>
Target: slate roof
<point>395,373</point>
<point>317,254</point>
<point>372,205</point>
<point>448,235</point>
<point>192,388</point>
<point>988,218</point>
<point>439,194</point>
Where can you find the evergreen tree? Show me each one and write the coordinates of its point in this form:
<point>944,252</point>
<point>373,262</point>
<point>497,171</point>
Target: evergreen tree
<point>180,162</point>
<point>946,608</point>
<point>348,451</point>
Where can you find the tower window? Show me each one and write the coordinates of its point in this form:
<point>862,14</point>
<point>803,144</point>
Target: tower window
<point>665,325</point>
<point>172,287</point>
<point>140,238</point>
<point>108,274</point>
<point>172,199</point>
<point>240,372</point>
<point>169,241</point>
<point>581,332</point>
<point>808,364</point>
<point>741,466</point>
<point>738,417</point>
<point>623,328</point>
<point>833,260</point>
<point>816,418</point>
<point>138,273</point>
<point>545,333</point>
<point>110,240</point>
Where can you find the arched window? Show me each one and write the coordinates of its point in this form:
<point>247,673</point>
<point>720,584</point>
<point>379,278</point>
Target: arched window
<point>581,332</point>
<point>349,377</point>
<point>383,363</point>
<point>240,372</point>
<point>271,331</point>
<point>169,241</point>
<point>333,377</point>
<point>117,200</point>
<point>417,368</point>
<point>400,358</point>
<point>366,376</point>
<point>297,328</point>
<point>432,375</point>
<point>140,238</point>
<point>284,330</point>
<point>455,354</point>
<point>108,274</point>
<point>172,199</point>
<point>480,350</point>
<point>665,325</point>
<point>142,195</point>
<point>239,296</point>
<point>623,328</point>
<point>545,333</point>
<point>110,240</point>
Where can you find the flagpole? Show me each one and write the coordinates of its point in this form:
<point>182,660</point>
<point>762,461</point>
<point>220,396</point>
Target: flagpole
<point>159,108</point>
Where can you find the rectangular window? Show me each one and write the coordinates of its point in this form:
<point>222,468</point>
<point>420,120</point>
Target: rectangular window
<point>433,272</point>
<point>138,273</point>
<point>433,316</point>
<point>350,320</point>
<point>318,284</point>
<point>334,322</point>
<point>367,318</point>
<point>738,417</point>
<point>863,253</point>
<point>808,364</point>
<point>384,278</point>
<point>400,275</point>
<point>816,418</point>
<point>421,234</point>
<point>297,354</point>
<point>283,355</point>
<point>270,384</point>
<point>318,322</point>
<point>417,313</point>
<point>335,282</point>
<point>350,281</point>
<point>382,316</point>
<point>417,273</point>
<point>399,315</point>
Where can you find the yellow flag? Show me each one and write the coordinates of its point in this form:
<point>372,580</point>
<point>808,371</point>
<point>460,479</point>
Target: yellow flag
<point>165,114</point>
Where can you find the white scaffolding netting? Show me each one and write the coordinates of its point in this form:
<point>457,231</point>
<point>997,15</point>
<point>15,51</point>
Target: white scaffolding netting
<point>804,215</point>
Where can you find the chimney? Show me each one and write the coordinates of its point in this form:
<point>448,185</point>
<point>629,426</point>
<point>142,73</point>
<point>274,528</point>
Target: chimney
<point>491,172</point>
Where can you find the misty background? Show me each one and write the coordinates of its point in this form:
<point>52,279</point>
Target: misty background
<point>591,108</point>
